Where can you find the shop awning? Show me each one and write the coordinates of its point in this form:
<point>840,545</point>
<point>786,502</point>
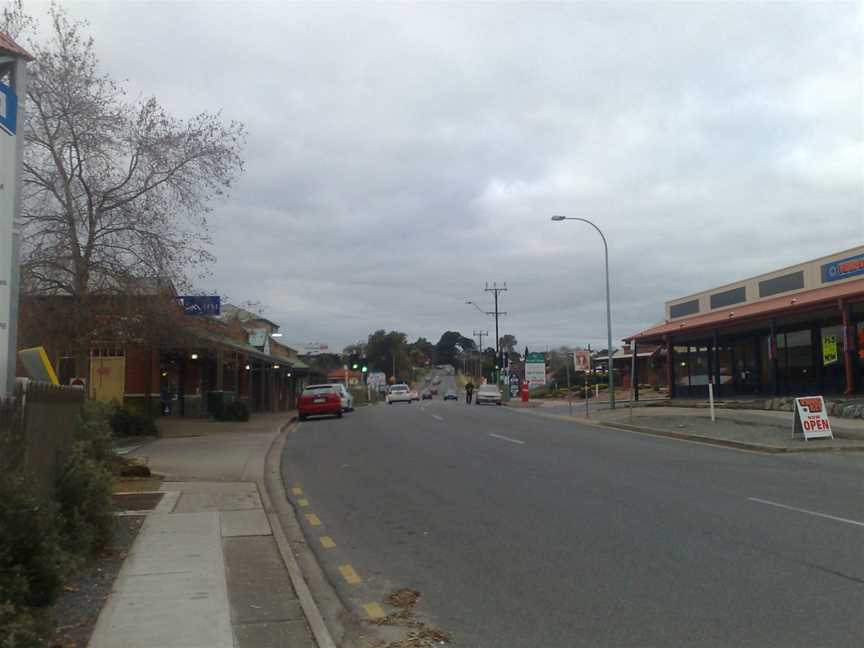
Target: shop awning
<point>792,303</point>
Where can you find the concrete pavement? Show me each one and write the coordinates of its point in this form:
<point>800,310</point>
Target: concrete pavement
<point>525,531</point>
<point>207,572</point>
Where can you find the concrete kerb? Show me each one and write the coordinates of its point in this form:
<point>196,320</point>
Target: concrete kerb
<point>325,603</point>
<point>684,436</point>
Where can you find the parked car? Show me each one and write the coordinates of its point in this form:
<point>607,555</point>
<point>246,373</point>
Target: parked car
<point>426,394</point>
<point>450,394</point>
<point>400,394</point>
<point>318,400</point>
<point>345,395</point>
<point>488,394</point>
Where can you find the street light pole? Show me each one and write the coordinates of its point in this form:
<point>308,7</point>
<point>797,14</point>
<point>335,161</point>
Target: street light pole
<point>608,305</point>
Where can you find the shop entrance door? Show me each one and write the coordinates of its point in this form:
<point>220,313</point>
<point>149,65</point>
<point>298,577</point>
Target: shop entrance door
<point>745,361</point>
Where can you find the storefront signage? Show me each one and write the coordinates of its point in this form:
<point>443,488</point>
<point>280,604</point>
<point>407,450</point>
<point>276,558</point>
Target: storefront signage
<point>811,418</point>
<point>829,350</point>
<point>535,369</point>
<point>843,269</point>
<point>202,304</point>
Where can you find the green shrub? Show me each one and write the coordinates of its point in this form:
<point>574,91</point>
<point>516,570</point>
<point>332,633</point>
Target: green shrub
<point>92,429</point>
<point>86,513</point>
<point>32,563</point>
<point>125,422</point>
<point>235,411</point>
<point>17,628</point>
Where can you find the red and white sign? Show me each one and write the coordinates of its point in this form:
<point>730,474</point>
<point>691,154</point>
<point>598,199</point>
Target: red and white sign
<point>811,418</point>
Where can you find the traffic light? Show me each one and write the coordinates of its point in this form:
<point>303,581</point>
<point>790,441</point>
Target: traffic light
<point>364,365</point>
<point>354,361</point>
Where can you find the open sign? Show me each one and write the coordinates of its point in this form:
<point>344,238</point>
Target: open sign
<point>811,418</point>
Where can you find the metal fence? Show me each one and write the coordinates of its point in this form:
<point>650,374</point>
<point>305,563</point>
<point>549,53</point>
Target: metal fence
<point>37,426</point>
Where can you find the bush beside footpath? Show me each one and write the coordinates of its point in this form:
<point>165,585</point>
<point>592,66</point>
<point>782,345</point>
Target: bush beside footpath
<point>43,541</point>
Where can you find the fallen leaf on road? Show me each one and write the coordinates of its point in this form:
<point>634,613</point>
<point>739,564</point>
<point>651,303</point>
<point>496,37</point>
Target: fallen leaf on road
<point>404,598</point>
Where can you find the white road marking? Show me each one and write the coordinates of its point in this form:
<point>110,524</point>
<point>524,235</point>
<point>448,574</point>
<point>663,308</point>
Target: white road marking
<point>440,418</point>
<point>800,510</point>
<point>503,438</point>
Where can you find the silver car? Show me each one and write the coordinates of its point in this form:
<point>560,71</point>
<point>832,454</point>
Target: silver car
<point>488,394</point>
<point>345,395</point>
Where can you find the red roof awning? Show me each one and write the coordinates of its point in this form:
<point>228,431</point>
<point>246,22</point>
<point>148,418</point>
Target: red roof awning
<point>850,291</point>
<point>11,47</point>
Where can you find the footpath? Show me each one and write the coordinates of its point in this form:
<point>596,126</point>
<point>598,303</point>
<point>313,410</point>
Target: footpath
<point>206,569</point>
<point>757,430</point>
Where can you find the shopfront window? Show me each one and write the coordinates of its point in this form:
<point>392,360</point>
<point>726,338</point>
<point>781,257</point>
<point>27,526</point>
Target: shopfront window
<point>799,361</point>
<point>698,366</point>
<point>682,372</point>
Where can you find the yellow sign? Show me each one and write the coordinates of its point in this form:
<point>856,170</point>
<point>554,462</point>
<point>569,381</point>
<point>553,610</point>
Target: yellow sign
<point>829,350</point>
<point>37,365</point>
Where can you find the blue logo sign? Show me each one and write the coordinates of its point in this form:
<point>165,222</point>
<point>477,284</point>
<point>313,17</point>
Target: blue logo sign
<point>843,269</point>
<point>202,305</point>
<point>8,109</point>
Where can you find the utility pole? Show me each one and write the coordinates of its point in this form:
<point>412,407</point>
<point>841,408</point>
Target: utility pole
<point>479,335</point>
<point>495,290</point>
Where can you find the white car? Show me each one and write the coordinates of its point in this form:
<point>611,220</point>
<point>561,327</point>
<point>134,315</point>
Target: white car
<point>345,395</point>
<point>400,394</point>
<point>488,394</point>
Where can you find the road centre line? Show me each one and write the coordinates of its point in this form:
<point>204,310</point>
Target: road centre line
<point>297,491</point>
<point>313,519</point>
<point>808,512</point>
<point>504,438</point>
<point>440,418</point>
<point>327,542</point>
<point>303,501</point>
<point>374,611</point>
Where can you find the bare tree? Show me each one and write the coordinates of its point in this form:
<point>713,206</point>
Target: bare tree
<point>115,189</point>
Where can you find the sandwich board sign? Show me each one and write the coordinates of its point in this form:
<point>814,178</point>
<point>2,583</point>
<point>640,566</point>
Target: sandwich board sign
<point>811,418</point>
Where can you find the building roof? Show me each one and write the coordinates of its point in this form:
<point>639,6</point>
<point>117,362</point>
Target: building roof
<point>9,46</point>
<point>795,302</point>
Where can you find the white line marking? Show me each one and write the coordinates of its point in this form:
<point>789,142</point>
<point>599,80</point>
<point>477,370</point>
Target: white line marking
<point>503,438</point>
<point>800,510</point>
<point>440,418</point>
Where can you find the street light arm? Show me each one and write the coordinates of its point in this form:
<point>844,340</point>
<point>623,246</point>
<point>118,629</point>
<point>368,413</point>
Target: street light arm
<point>608,304</point>
<point>477,307</point>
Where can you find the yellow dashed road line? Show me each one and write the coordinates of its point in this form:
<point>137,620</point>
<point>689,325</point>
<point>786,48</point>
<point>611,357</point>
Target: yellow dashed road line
<point>349,574</point>
<point>303,502</point>
<point>374,611</point>
<point>313,519</point>
<point>297,491</point>
<point>327,542</point>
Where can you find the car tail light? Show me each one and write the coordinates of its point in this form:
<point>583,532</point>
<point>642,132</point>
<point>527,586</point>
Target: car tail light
<point>334,397</point>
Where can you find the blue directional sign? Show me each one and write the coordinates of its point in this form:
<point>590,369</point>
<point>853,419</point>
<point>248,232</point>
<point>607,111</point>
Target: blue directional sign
<point>202,304</point>
<point>8,109</point>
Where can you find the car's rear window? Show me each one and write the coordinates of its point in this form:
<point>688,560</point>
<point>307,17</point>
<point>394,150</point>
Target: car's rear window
<point>489,388</point>
<point>319,389</point>
<point>399,388</point>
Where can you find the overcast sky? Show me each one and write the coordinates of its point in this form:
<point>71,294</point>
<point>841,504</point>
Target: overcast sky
<point>401,155</point>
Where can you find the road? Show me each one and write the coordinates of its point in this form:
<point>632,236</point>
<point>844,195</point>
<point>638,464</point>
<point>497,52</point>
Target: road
<point>522,531</point>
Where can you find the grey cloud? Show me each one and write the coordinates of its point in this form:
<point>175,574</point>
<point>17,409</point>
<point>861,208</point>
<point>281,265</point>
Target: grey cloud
<point>400,155</point>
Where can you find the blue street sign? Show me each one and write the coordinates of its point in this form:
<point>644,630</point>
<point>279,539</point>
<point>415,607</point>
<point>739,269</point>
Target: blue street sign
<point>202,305</point>
<point>8,109</point>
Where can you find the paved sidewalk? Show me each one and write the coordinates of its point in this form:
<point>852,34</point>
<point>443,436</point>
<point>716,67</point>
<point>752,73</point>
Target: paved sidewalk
<point>206,571</point>
<point>759,430</point>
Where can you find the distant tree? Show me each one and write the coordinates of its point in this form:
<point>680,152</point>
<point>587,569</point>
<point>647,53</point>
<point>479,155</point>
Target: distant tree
<point>114,189</point>
<point>425,347</point>
<point>508,343</point>
<point>450,347</point>
<point>326,362</point>
<point>388,351</point>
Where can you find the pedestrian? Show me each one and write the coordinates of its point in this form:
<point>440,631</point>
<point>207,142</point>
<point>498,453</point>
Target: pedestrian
<point>469,390</point>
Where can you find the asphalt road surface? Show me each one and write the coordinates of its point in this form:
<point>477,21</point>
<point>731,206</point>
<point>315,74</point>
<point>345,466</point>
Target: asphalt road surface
<point>520,531</point>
